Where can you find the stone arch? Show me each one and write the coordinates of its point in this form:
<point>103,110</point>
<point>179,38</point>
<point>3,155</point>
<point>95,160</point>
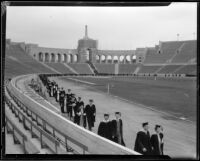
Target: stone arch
<point>121,58</point>
<point>115,59</point>
<point>53,57</point>
<point>75,58</point>
<point>97,58</point>
<point>109,58</point>
<point>128,58</point>
<point>68,58</point>
<point>46,57</point>
<point>64,58</point>
<point>59,57</point>
<point>134,59</point>
<point>103,58</point>
<point>40,56</point>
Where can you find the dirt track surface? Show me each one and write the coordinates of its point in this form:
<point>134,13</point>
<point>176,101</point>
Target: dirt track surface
<point>179,135</point>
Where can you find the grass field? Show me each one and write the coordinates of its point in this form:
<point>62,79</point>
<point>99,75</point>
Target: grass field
<point>175,97</point>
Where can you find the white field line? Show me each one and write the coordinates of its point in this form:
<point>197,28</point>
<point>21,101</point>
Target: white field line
<point>77,126</point>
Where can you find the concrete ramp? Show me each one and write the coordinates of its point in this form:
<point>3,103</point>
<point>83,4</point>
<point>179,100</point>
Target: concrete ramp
<point>94,143</point>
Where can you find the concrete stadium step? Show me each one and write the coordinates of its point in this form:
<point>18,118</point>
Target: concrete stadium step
<point>10,147</point>
<point>136,70</point>
<point>33,141</point>
<point>70,68</point>
<point>61,149</point>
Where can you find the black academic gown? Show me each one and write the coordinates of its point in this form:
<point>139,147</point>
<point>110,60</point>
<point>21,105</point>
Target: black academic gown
<point>157,150</point>
<point>77,112</point>
<point>143,141</point>
<point>114,131</point>
<point>90,115</point>
<point>104,129</point>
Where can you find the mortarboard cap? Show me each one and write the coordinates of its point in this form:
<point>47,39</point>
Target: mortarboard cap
<point>106,114</point>
<point>145,123</point>
<point>90,100</point>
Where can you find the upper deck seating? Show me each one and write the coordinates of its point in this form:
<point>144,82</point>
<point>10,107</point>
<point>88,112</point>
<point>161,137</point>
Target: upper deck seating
<point>186,53</point>
<point>167,50</point>
<point>17,55</point>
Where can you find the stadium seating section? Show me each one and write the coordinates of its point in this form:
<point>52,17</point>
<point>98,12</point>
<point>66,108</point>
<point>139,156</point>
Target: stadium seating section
<point>149,69</point>
<point>169,69</point>
<point>168,49</point>
<point>60,68</point>
<point>18,62</point>
<point>105,68</point>
<point>187,69</point>
<point>127,68</point>
<point>81,68</point>
<point>177,57</point>
<point>187,52</point>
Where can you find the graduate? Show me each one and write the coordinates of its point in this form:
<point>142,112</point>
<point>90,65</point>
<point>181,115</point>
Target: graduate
<point>69,96</point>
<point>117,129</point>
<point>64,104</point>
<point>54,90</point>
<point>58,95</point>
<point>77,110</point>
<point>104,128</point>
<point>90,111</point>
<point>157,141</point>
<point>72,104</point>
<point>62,95</point>
<point>142,142</point>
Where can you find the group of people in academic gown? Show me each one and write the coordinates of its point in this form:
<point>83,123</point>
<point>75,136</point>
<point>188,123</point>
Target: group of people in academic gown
<point>83,116</point>
<point>149,145</point>
<point>112,130</point>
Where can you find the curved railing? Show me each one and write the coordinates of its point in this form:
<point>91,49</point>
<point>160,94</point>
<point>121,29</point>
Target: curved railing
<point>76,136</point>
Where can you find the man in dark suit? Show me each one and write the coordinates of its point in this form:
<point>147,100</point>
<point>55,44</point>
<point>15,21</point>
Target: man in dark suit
<point>62,95</point>
<point>142,142</point>
<point>117,129</point>
<point>69,96</point>
<point>157,141</point>
<point>105,126</point>
<point>90,111</point>
<point>77,110</point>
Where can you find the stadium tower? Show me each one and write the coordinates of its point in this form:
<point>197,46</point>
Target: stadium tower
<point>87,48</point>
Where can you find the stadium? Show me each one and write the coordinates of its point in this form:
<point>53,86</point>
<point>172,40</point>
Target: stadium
<point>155,84</point>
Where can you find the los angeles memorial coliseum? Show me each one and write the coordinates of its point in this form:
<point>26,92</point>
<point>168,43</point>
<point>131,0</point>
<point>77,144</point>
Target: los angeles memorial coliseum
<point>155,84</point>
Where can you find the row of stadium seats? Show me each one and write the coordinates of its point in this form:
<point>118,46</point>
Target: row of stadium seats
<point>173,69</point>
<point>173,52</point>
<point>18,62</point>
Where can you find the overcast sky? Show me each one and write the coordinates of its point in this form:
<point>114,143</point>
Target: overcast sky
<point>113,27</point>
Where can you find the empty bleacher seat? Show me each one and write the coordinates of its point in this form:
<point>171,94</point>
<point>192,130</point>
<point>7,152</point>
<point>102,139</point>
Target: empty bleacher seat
<point>127,68</point>
<point>81,68</point>
<point>169,69</point>
<point>105,68</point>
<point>149,69</point>
<point>186,53</point>
<point>60,68</point>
